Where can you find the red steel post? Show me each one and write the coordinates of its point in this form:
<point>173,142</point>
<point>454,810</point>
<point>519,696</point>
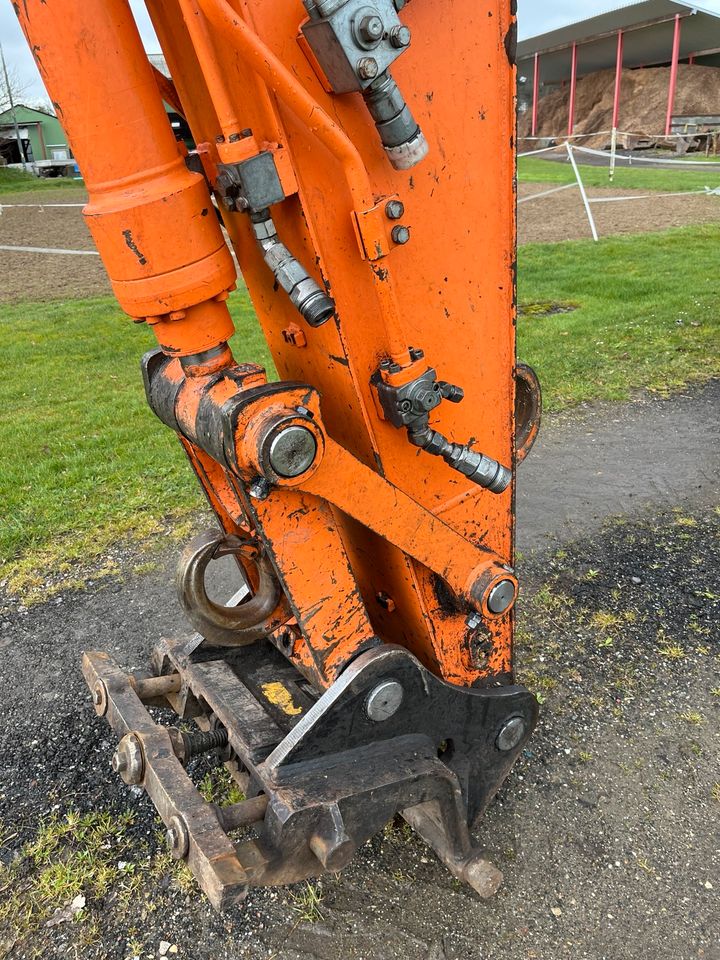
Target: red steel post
<point>673,76</point>
<point>618,80</point>
<point>536,94</point>
<point>573,88</point>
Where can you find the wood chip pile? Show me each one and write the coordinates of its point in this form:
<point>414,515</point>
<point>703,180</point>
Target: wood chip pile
<point>643,105</point>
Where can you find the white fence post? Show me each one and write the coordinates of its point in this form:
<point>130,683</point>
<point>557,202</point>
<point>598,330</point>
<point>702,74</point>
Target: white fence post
<point>583,194</point>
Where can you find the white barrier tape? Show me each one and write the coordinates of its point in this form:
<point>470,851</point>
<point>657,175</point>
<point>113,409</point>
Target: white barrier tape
<point>534,153</point>
<point>656,160</point>
<point>575,136</point>
<point>583,193</point>
<point>547,193</point>
<point>59,250</point>
<point>39,206</point>
<point>77,253</point>
<point>562,137</point>
<point>707,192</point>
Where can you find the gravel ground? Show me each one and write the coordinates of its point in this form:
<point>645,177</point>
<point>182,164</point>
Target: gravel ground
<point>31,276</point>
<point>607,830</point>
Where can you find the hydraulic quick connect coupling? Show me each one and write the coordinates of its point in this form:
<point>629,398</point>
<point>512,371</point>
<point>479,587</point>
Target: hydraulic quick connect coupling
<point>482,470</point>
<point>314,305</point>
<point>404,141</point>
<point>410,404</point>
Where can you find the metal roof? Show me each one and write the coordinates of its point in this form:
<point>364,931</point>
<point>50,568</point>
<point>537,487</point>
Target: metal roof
<point>648,27</point>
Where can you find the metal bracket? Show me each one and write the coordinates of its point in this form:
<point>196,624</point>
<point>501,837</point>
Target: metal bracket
<point>324,773</point>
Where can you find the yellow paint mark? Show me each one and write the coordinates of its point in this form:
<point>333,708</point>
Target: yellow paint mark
<point>281,697</point>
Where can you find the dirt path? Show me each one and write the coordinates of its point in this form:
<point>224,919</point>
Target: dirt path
<point>562,215</point>
<point>607,831</point>
<point>33,276</point>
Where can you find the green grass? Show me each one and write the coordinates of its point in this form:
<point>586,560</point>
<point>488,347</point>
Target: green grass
<point>85,463</point>
<point>646,314</point>
<point>642,177</point>
<point>68,858</point>
<point>98,858</point>
<point>15,181</point>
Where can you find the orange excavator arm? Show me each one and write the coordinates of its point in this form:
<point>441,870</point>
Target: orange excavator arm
<point>357,160</point>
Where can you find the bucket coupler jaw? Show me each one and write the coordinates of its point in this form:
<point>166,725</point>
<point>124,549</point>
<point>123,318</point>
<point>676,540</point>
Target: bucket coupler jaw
<point>322,774</point>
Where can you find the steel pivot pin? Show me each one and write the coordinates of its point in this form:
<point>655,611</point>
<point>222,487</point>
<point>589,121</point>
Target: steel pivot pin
<point>511,734</point>
<point>292,451</point>
<point>384,700</point>
<point>502,597</point>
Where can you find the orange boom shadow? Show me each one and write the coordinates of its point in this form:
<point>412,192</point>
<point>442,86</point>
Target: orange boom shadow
<point>359,155</point>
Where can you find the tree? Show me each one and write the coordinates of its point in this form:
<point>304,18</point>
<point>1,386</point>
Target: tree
<point>9,91</point>
<point>13,90</point>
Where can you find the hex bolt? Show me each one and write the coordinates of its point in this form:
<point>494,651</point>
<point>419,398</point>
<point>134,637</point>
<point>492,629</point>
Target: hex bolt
<point>384,701</point>
<point>292,451</point>
<point>100,698</point>
<point>367,68</point>
<point>128,760</point>
<point>502,596</point>
<point>178,838</point>
<point>511,734</point>
<point>371,29</point>
<point>401,234</point>
<point>400,37</point>
<point>394,209</point>
<point>259,489</point>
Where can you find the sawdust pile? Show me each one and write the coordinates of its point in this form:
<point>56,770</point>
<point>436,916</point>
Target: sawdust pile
<point>642,108</point>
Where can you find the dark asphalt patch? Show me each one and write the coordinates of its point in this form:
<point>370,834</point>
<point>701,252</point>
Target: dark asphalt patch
<point>607,831</point>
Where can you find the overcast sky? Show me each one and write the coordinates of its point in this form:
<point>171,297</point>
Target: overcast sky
<point>535,17</point>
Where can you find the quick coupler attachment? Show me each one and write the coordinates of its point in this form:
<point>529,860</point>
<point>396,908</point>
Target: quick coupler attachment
<point>321,773</point>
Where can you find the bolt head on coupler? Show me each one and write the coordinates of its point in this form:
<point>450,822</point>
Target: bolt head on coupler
<point>128,760</point>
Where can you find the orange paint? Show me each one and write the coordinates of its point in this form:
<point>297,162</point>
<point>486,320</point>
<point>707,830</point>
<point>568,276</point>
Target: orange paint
<point>375,517</point>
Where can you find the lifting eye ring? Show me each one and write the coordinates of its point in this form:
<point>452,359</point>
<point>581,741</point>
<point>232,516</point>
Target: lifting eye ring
<point>225,626</point>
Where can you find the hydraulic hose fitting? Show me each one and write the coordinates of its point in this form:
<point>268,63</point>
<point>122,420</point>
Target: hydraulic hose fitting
<point>313,304</point>
<point>355,42</point>
<point>404,141</point>
<point>409,404</point>
<point>482,470</point>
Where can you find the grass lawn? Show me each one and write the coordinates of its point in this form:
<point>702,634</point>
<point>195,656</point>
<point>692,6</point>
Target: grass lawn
<point>647,314</point>
<point>86,463</point>
<point>641,177</point>
<point>15,181</point>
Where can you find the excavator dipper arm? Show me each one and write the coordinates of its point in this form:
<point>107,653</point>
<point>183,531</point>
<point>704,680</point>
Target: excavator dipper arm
<point>356,159</point>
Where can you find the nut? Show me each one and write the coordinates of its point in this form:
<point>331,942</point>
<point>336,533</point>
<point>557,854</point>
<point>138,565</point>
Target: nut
<point>401,235</point>
<point>178,838</point>
<point>400,37</point>
<point>100,698</point>
<point>128,760</point>
<point>367,68</point>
